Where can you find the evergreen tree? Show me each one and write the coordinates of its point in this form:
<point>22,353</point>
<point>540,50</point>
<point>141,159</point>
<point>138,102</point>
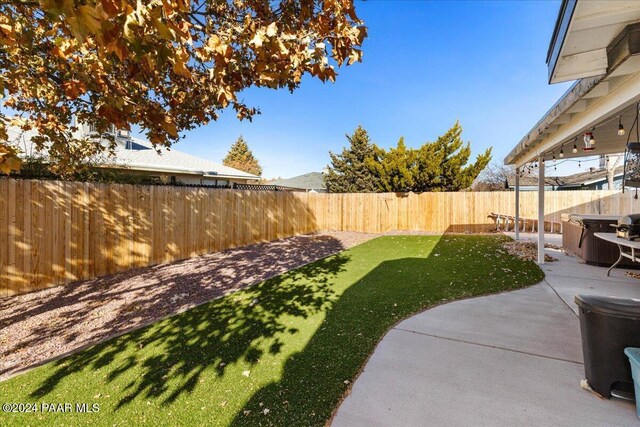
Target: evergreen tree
<point>351,172</point>
<point>442,165</point>
<point>395,168</point>
<point>241,158</point>
<point>427,170</point>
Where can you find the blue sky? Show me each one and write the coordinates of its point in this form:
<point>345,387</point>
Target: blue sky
<point>426,64</point>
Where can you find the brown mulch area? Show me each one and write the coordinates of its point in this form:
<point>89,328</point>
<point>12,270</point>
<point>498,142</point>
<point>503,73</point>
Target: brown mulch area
<point>529,250</point>
<point>41,325</point>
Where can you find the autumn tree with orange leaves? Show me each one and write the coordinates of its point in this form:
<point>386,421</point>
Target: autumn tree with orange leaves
<point>165,65</point>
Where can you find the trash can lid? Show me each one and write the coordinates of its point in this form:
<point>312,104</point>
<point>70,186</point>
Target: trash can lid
<point>628,307</point>
<point>633,354</point>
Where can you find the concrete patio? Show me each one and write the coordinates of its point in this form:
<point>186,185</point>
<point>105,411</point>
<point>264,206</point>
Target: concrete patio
<point>507,359</point>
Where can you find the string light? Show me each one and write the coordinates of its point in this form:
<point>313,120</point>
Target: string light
<point>589,137</point>
<point>620,127</point>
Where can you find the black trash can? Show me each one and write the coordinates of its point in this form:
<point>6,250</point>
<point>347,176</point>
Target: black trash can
<point>608,325</point>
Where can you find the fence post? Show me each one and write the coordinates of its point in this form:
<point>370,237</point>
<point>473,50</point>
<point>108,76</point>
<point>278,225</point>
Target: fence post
<point>517,219</point>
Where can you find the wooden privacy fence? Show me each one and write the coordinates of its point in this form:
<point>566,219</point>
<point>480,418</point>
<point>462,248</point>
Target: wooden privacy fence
<point>54,232</point>
<point>456,212</point>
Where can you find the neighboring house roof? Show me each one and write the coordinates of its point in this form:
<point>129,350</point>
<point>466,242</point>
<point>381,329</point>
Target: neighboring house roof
<point>575,180</point>
<point>137,154</point>
<point>308,181</point>
<point>141,155</point>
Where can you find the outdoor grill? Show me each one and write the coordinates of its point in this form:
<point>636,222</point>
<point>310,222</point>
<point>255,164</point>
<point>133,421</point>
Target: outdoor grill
<point>578,238</point>
<point>628,227</point>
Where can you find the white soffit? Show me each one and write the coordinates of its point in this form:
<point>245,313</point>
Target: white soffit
<point>593,26</point>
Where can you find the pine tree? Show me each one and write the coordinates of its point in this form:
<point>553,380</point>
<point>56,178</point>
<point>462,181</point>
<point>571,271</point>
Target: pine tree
<point>241,158</point>
<point>351,172</point>
<point>442,165</point>
<point>395,168</point>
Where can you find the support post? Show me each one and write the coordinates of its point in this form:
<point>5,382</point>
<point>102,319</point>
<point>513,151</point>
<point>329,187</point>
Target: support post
<point>540,210</point>
<point>517,218</point>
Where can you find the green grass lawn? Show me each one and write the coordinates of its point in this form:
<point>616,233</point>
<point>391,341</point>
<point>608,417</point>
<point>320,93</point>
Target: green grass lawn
<point>283,352</point>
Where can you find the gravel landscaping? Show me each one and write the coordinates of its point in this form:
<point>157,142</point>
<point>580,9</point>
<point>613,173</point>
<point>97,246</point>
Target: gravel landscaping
<point>42,325</point>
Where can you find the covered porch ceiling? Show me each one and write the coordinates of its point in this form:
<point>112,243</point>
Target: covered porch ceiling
<point>594,102</point>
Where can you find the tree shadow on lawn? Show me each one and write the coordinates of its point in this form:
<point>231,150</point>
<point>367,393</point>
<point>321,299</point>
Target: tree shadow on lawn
<point>79,314</point>
<point>323,320</point>
<point>170,356</point>
<point>316,379</point>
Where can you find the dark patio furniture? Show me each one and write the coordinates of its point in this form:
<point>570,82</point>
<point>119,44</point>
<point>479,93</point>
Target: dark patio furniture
<point>578,239</point>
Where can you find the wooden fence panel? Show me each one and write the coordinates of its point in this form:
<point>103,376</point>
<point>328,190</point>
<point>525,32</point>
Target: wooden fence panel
<point>54,232</point>
<point>455,212</point>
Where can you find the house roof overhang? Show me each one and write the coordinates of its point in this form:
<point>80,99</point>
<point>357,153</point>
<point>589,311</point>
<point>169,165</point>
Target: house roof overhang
<point>598,101</point>
<point>582,34</point>
<point>145,167</point>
